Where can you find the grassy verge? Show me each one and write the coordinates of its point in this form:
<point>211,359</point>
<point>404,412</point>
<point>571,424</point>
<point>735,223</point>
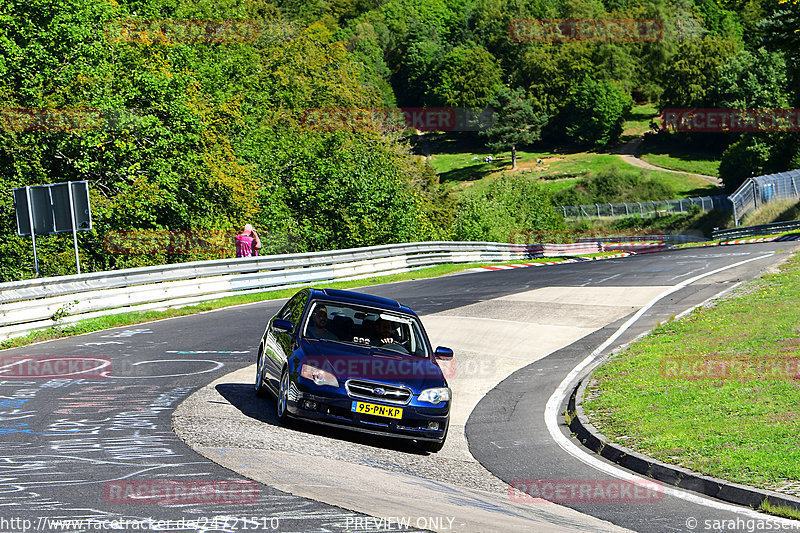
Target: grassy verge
<point>694,163</point>
<point>778,211</point>
<point>717,392</point>
<point>666,153</point>
<point>137,317</point>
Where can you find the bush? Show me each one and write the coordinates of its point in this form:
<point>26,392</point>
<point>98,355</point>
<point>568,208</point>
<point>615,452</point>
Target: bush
<point>743,159</point>
<point>614,185</point>
<point>506,206</point>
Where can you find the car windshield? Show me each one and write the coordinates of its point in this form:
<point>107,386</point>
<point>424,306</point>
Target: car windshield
<point>365,326</point>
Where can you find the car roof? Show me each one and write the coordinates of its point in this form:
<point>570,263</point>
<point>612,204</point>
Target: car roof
<point>338,295</point>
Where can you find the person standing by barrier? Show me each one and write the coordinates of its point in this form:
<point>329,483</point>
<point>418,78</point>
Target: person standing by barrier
<point>247,242</point>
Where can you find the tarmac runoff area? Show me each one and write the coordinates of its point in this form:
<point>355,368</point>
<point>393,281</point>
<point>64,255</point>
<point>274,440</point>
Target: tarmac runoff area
<point>389,479</point>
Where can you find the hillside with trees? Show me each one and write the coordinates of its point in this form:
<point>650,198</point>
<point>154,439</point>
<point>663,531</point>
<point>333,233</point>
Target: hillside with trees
<point>207,135</point>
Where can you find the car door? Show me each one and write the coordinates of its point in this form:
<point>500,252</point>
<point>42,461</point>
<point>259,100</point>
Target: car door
<point>279,345</point>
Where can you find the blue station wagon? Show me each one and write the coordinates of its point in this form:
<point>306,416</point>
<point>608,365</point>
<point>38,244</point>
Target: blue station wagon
<point>356,361</point>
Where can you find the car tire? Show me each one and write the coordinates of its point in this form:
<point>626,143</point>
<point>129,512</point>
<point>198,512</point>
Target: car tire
<point>435,446</point>
<point>259,386</point>
<point>283,398</point>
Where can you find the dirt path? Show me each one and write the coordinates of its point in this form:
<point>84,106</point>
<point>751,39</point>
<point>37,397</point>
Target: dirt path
<point>627,152</point>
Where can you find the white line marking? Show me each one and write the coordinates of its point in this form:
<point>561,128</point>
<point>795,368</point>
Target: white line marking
<point>551,412</point>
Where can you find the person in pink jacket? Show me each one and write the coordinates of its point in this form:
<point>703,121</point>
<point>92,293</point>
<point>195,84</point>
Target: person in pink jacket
<point>247,242</point>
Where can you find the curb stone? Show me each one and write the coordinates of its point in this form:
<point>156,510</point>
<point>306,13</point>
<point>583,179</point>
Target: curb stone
<point>672,475</point>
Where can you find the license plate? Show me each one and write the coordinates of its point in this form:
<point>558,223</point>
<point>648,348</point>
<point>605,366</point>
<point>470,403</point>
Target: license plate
<point>377,410</point>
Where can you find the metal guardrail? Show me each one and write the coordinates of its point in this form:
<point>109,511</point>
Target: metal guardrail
<point>33,304</point>
<point>764,189</point>
<point>646,209</point>
<point>645,238</point>
<point>750,231</point>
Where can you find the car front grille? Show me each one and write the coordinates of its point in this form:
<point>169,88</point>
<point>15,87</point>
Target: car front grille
<point>370,390</point>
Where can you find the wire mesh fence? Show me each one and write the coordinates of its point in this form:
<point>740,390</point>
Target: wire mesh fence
<point>647,209</point>
<point>764,189</point>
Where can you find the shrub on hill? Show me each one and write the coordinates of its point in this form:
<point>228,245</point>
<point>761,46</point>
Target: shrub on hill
<point>614,185</point>
<point>505,206</point>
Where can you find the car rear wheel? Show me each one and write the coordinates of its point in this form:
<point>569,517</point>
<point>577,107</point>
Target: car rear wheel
<point>260,389</point>
<point>283,397</point>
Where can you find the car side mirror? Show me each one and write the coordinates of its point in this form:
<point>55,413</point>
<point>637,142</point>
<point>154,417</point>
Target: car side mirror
<point>283,326</point>
<point>443,353</point>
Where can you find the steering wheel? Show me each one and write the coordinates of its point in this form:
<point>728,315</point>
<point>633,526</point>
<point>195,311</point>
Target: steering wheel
<point>395,346</point>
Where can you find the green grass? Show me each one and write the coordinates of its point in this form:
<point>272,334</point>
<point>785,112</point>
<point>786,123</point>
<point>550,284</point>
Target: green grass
<point>137,317</point>
<point>688,162</point>
<point>638,121</point>
<point>741,426</point>
<point>663,152</point>
<point>780,510</point>
<point>778,211</point>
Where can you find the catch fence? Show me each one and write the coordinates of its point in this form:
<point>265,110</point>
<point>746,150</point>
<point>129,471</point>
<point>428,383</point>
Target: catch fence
<point>760,190</point>
<point>647,209</point>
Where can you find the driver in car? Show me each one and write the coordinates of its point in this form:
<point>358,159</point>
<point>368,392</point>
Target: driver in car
<point>318,328</point>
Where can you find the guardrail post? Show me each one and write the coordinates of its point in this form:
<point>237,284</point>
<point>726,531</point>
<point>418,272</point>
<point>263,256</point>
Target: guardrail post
<point>755,193</point>
<point>598,210</point>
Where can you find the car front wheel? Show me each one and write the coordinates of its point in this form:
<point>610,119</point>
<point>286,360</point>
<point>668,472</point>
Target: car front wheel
<point>435,446</point>
<point>260,389</point>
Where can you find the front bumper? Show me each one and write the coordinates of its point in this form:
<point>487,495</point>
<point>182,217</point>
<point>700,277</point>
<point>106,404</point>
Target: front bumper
<point>335,410</point>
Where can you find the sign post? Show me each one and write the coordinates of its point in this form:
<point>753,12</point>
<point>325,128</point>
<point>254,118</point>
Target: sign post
<point>49,209</point>
<point>33,235</point>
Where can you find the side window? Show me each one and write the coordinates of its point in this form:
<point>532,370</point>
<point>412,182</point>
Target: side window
<point>284,312</point>
<point>296,306</point>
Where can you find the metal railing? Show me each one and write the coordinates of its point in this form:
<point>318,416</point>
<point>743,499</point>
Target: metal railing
<point>33,304</point>
<point>647,209</point>
<point>763,189</point>
<point>751,231</point>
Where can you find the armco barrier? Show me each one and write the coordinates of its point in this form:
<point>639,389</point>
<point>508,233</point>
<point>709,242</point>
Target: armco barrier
<point>34,304</point>
<point>763,229</point>
<point>39,303</point>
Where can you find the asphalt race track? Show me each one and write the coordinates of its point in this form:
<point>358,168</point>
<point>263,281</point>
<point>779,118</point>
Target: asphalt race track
<point>99,448</point>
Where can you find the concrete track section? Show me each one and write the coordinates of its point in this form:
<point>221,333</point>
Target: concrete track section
<point>500,324</point>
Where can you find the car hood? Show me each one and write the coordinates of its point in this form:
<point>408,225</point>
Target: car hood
<point>347,361</point>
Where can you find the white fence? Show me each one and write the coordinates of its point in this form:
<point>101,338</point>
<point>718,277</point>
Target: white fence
<point>39,303</point>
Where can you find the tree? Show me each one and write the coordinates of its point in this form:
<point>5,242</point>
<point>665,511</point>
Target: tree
<point>751,80</point>
<point>594,114</point>
<point>469,76</point>
<point>694,70</point>
<point>516,123</point>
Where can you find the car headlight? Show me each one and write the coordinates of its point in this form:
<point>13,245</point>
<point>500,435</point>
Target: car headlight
<point>435,396</point>
<point>318,376</point>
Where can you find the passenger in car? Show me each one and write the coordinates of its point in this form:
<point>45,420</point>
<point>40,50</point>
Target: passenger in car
<point>384,333</point>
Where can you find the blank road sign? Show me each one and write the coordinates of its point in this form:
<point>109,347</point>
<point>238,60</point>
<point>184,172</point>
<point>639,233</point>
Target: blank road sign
<point>51,212</point>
